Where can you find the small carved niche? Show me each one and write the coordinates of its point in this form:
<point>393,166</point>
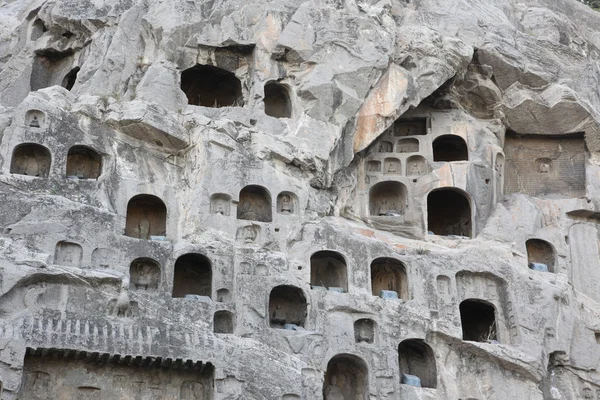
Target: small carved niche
<point>417,166</point>
<point>374,166</point>
<point>248,234</point>
<point>387,199</point>
<point>277,100</point>
<point>540,252</point>
<point>103,258</point>
<point>449,213</point>
<point>413,127</point>
<point>144,275</point>
<point>364,330</point>
<point>286,203</point>
<point>31,159</point>
<point>193,275</point>
<point>223,322</point>
<point>88,393</point>
<point>220,203</point>
<point>224,295</point>
<point>389,274</point>
<point>287,305</point>
<point>35,119</point>
<point>146,216</point>
<point>478,319</point>
<point>209,86</point>
<point>347,377</point>
<point>68,253</point>
<point>392,166</point>
<point>450,148</point>
<point>543,165</point>
<point>255,204</point>
<point>328,269</point>
<point>415,357</point>
<point>408,145</point>
<point>385,147</point>
<point>83,163</point>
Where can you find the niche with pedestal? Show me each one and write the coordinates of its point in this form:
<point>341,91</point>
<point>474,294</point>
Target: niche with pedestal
<point>449,213</point>
<point>223,322</point>
<point>392,166</point>
<point>31,159</point>
<point>209,86</point>
<point>364,330</point>
<point>450,148</point>
<point>255,204</point>
<point>277,100</point>
<point>389,274</point>
<point>387,199</point>
<point>416,166</point>
<point>416,358</point>
<point>146,217</point>
<point>83,163</point>
<point>328,269</point>
<point>52,67</point>
<point>286,203</point>
<point>35,119</point>
<point>144,275</point>
<point>287,305</point>
<point>68,253</point>
<point>347,377</point>
<point>478,320</point>
<point>192,276</point>
<point>220,203</point>
<point>540,252</point>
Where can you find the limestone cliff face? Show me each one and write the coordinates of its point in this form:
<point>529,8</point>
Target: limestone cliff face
<point>299,200</point>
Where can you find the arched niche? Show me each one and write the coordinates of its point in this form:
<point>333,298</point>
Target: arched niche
<point>84,163</point>
<point>192,275</point>
<point>146,217</point>
<point>364,330</point>
<point>417,166</point>
<point>208,86</point>
<point>374,166</point>
<point>223,322</point>
<point>389,274</point>
<point>255,204</point>
<point>392,166</point>
<point>287,306</point>
<point>31,159</point>
<point>277,100</point>
<point>450,148</point>
<point>478,320</point>
<point>449,213</point>
<point>220,203</point>
<point>347,377</point>
<point>287,203</point>
<point>35,119</point>
<point>223,295</point>
<point>540,253</point>
<point>144,275</point>
<point>385,147</point>
<point>416,358</point>
<point>68,253</point>
<point>387,199</point>
<point>407,145</point>
<point>328,269</point>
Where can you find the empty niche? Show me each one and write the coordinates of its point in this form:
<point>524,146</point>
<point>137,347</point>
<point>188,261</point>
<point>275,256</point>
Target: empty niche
<point>540,255</point>
<point>364,330</point>
<point>416,358</point>
<point>385,147</point>
<point>449,213</point>
<point>388,274</point>
<point>223,322</point>
<point>208,86</point>
<point>220,203</point>
<point>103,258</point>
<point>328,269</point>
<point>450,148</point>
<point>287,306</point>
<point>478,320</point>
<point>144,275</point>
<point>52,67</point>
<point>539,165</point>
<point>223,295</point>
<point>70,79</point>
<point>277,101</point>
<point>387,199</point>
<point>347,377</point>
<point>192,276</point>
<point>374,166</point>
<point>68,253</point>
<point>35,119</point>
<point>83,163</point>
<point>255,204</point>
<point>146,217</point>
<point>409,145</point>
<point>286,203</point>
<point>416,166</point>
<point>392,166</point>
<point>31,159</point>
<point>411,127</point>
